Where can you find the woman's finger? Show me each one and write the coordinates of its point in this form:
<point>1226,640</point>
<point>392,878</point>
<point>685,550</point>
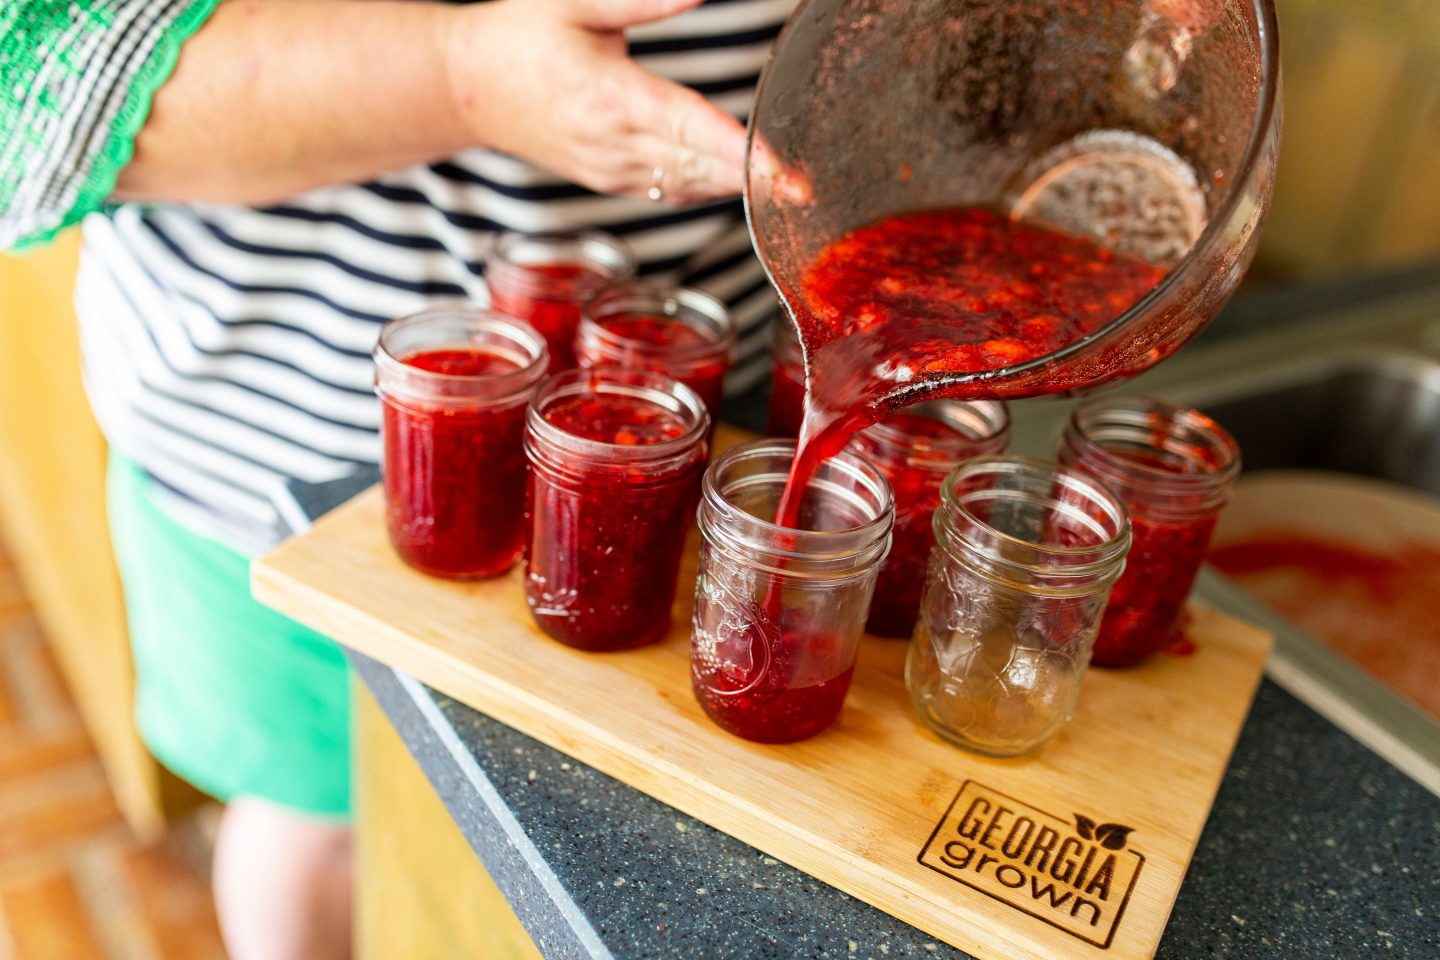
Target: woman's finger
<point>786,183</point>
<point>686,174</point>
<point>612,15</point>
<point>685,118</point>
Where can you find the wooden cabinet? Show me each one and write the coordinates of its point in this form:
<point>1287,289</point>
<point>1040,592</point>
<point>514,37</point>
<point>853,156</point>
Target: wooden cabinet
<point>52,516</point>
<point>422,893</point>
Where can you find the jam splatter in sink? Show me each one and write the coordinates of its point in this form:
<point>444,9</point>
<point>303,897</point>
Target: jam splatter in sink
<point>1375,607</point>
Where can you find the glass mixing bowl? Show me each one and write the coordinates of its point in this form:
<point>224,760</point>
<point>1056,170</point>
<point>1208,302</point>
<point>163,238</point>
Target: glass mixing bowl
<point>1150,126</point>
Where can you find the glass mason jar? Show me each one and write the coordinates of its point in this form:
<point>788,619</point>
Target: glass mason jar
<point>616,457</point>
<point>453,386</point>
<point>1174,469</point>
<point>546,278</point>
<point>679,332</point>
<point>779,611</point>
<point>916,449</point>
<point>787,383</point>
<point>1026,553</point>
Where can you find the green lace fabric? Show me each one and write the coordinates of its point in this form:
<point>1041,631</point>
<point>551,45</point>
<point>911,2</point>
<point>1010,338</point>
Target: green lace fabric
<point>76,81</point>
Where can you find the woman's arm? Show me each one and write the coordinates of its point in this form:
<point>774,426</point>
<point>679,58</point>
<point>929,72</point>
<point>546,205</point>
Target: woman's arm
<point>273,97</point>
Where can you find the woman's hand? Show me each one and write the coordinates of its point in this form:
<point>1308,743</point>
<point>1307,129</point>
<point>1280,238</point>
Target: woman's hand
<point>550,81</point>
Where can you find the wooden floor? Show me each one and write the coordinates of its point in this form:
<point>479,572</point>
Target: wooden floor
<point>74,883</point>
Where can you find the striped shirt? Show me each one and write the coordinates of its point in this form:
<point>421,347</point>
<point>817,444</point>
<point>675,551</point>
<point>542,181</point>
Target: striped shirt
<point>227,348</point>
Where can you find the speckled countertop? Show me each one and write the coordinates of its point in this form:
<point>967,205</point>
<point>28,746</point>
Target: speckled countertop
<point>1315,848</point>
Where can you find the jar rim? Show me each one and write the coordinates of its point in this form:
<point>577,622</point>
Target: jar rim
<point>978,422</point>
<point>1055,560</point>
<point>754,533</point>
<point>663,391</point>
<point>528,351</point>
<point>1184,433</point>
<point>694,308</point>
<point>512,251</point>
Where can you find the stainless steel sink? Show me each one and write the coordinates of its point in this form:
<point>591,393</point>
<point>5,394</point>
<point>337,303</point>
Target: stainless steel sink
<point>1354,394</point>
<point>1373,414</point>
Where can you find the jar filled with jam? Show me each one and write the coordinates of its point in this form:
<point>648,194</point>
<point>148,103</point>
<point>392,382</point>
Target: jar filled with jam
<point>779,611</point>
<point>454,386</point>
<point>546,279</point>
<point>681,333</point>
<point>1026,553</point>
<point>616,457</point>
<point>787,383</point>
<point>1174,469</point>
<point>915,449</point>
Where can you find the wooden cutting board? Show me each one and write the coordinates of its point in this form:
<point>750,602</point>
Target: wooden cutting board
<point>1077,851</point>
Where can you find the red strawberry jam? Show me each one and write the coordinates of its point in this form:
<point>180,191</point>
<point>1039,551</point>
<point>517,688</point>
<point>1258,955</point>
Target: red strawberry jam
<point>680,333</point>
<point>779,612</point>
<point>938,293</point>
<point>787,384</point>
<point>1146,602</point>
<point>453,429</point>
<point>462,363</point>
<point>616,457</point>
<point>546,280</point>
<point>915,450</point>
<point>621,420</point>
<point>770,703</point>
<point>787,401</point>
<point>1174,470</point>
<point>967,290</point>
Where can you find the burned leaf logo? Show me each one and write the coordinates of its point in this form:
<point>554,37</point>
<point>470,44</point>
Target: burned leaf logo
<point>1111,836</point>
<point>1076,876</point>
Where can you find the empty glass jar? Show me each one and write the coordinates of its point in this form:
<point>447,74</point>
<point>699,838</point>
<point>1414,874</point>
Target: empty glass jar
<point>779,611</point>
<point>1026,553</point>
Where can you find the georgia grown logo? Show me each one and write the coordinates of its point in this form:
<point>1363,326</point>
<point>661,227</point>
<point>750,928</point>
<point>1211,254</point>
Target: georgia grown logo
<point>1073,875</point>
